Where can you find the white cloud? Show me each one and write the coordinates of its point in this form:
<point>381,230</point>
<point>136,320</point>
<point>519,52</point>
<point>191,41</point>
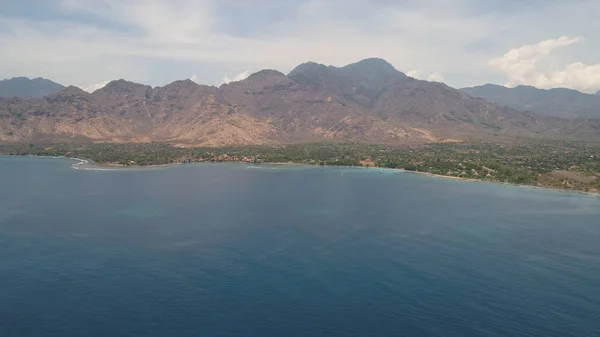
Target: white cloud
<point>194,78</point>
<point>94,87</point>
<point>239,77</point>
<point>157,41</point>
<point>167,21</point>
<point>184,31</point>
<point>433,77</point>
<point>436,77</point>
<point>414,73</point>
<point>536,65</point>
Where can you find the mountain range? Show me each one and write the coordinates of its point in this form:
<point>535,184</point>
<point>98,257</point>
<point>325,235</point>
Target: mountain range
<point>368,101</point>
<point>558,102</point>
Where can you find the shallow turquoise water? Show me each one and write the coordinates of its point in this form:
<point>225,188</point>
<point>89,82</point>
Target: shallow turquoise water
<point>237,250</point>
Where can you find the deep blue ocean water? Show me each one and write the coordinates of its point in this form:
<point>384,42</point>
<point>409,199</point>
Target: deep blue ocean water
<point>238,250</point>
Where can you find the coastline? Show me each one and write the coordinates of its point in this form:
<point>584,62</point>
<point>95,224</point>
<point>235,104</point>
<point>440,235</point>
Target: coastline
<point>121,166</point>
<point>109,166</point>
<point>433,175</point>
<point>505,183</point>
<point>93,165</point>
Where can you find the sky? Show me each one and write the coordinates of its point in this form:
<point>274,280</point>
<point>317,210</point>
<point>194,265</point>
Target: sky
<point>543,43</point>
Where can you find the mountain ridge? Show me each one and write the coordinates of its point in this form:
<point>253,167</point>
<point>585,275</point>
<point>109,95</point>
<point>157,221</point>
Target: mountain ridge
<point>367,101</point>
<point>556,102</point>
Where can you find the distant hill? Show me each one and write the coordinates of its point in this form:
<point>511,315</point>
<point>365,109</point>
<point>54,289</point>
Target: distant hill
<point>368,101</point>
<point>28,88</point>
<point>559,102</point>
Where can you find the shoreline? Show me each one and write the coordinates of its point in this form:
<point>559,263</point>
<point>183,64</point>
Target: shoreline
<point>505,183</point>
<point>427,174</point>
<point>111,165</point>
<point>132,166</point>
<point>440,176</point>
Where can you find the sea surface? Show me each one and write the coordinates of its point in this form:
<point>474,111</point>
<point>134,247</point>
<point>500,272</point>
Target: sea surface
<point>285,251</point>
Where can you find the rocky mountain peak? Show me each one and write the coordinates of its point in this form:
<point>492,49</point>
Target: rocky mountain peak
<point>69,94</point>
<point>375,65</point>
<point>362,81</point>
<point>123,86</point>
<point>181,84</point>
<point>266,73</point>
